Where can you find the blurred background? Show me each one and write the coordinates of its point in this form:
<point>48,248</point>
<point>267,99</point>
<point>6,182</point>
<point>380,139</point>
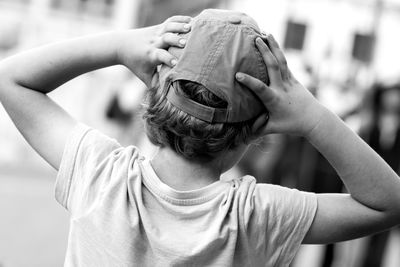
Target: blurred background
<point>345,51</point>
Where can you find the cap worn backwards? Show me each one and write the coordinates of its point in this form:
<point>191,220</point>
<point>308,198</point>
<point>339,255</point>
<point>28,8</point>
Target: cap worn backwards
<point>220,44</point>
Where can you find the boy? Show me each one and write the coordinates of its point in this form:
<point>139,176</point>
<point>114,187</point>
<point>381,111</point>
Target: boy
<point>203,111</point>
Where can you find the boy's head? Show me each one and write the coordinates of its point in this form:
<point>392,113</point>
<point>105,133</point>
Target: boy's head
<point>198,108</point>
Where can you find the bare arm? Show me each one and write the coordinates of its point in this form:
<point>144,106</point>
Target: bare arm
<point>26,78</point>
<point>374,200</point>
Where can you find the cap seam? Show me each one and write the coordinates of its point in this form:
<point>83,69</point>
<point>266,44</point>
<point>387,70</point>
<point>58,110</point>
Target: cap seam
<point>246,25</point>
<point>210,66</point>
<point>210,58</point>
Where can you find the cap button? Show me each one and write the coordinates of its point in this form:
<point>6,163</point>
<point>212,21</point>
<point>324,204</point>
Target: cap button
<point>234,20</point>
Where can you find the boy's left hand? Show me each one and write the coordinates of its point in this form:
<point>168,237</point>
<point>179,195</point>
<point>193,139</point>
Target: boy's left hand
<point>143,49</point>
<point>291,107</point>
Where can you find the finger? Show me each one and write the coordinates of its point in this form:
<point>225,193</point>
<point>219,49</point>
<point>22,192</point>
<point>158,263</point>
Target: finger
<point>171,39</point>
<point>271,62</point>
<point>280,57</point>
<point>260,123</point>
<point>163,57</point>
<point>265,93</point>
<point>179,18</point>
<point>176,27</point>
<point>272,128</point>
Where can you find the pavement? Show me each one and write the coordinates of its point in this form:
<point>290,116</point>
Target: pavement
<point>33,226</point>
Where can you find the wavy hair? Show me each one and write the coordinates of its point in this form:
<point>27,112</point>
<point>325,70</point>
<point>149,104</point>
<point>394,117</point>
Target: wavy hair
<point>190,137</point>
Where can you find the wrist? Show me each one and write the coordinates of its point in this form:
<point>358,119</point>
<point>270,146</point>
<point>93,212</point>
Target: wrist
<point>119,38</point>
<point>320,116</point>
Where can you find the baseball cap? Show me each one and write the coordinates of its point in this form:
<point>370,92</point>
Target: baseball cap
<point>220,44</point>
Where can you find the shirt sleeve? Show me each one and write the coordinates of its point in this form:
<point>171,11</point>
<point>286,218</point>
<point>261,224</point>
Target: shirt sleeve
<point>83,168</point>
<point>284,217</point>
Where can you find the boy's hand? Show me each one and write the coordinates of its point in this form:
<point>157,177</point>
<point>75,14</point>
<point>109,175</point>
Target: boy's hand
<point>143,49</point>
<point>291,107</point>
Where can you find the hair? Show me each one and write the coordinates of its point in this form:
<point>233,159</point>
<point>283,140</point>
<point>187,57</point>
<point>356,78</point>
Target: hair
<point>191,137</point>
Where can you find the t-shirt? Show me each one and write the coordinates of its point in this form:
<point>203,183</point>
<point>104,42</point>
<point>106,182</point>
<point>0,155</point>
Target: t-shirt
<point>122,214</point>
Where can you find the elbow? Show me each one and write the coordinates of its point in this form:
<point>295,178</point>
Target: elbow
<point>9,67</point>
<point>5,74</point>
<point>391,219</point>
<point>4,79</point>
<point>394,208</point>
<point>394,214</point>
<point>8,75</point>
<point>7,80</point>
<point>391,215</point>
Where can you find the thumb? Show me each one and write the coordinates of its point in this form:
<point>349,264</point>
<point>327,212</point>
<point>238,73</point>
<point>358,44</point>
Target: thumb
<point>260,123</point>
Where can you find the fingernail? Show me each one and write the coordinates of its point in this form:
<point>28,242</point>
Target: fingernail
<point>239,76</point>
<point>173,62</point>
<point>271,38</point>
<point>182,42</point>
<point>259,40</point>
<point>186,27</point>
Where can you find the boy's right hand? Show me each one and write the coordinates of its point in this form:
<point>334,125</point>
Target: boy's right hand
<point>141,50</point>
<point>291,108</point>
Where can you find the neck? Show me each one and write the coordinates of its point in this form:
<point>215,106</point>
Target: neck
<point>181,173</point>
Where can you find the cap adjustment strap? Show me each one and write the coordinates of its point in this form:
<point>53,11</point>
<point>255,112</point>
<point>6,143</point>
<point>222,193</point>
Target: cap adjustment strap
<point>195,109</point>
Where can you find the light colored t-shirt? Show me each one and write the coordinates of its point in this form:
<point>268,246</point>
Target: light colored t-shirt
<point>122,214</point>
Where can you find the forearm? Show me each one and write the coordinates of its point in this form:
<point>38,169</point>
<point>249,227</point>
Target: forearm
<point>365,174</point>
<point>45,68</point>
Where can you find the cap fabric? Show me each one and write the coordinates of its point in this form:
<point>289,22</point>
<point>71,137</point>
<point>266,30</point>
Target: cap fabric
<point>220,44</point>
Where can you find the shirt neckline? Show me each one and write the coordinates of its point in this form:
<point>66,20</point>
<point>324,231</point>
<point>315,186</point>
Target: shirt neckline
<point>177,197</point>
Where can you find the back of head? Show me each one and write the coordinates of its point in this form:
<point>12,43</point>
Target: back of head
<point>198,108</point>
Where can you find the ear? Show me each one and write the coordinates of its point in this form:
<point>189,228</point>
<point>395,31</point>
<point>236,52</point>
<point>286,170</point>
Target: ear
<point>259,124</point>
